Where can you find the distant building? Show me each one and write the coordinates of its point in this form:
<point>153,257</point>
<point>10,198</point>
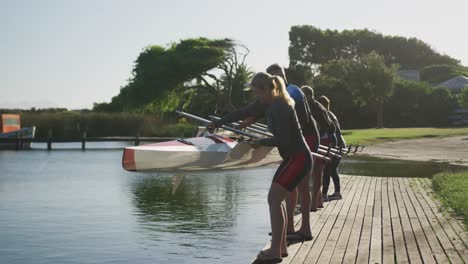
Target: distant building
<point>455,84</point>
<point>409,75</point>
<point>459,117</point>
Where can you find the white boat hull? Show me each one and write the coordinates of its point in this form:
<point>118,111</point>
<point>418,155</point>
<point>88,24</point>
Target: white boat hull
<point>207,153</point>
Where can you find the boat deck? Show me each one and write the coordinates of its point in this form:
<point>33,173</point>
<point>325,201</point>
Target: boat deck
<point>382,220</point>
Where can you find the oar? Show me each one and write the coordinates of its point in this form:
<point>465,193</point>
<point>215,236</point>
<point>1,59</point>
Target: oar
<point>334,151</point>
<point>261,132</point>
<point>261,125</point>
<point>206,121</point>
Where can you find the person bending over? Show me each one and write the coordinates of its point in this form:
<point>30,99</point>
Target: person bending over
<point>297,160</point>
<point>331,170</point>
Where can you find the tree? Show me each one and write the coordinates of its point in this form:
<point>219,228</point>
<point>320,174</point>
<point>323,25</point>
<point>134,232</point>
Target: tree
<point>464,98</point>
<point>311,47</point>
<point>299,75</point>
<point>404,108</point>
<point>159,70</point>
<point>378,86</point>
<point>368,80</point>
<point>229,86</point>
<point>439,73</point>
<point>437,106</point>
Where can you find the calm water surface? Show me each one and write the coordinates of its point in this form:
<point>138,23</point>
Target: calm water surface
<point>69,206</point>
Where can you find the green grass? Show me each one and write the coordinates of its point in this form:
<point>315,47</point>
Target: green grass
<point>452,188</point>
<point>379,135</point>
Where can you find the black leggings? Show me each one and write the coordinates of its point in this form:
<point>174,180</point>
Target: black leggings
<point>331,170</point>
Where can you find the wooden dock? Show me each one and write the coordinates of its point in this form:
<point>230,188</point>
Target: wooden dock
<point>382,220</point>
<point>17,143</point>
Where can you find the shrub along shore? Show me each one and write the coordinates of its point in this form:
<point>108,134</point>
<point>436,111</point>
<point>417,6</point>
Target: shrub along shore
<point>451,189</point>
<point>72,125</point>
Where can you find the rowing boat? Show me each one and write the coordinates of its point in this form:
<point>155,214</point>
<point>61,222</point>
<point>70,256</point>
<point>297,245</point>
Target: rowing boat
<point>209,152</point>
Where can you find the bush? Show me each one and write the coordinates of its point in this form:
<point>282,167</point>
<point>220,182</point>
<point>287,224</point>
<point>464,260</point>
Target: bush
<point>451,188</point>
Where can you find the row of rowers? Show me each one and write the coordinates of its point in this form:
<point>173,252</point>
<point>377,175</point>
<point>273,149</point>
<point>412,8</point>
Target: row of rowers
<point>299,123</point>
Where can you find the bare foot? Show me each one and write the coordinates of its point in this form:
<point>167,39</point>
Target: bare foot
<point>301,235</point>
<point>267,252</point>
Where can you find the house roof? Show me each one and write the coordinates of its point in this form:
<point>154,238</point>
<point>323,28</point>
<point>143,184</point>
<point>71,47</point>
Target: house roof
<point>455,83</point>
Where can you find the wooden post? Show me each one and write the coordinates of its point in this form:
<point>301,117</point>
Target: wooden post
<point>49,139</point>
<point>83,141</point>
<point>17,141</point>
<point>137,139</point>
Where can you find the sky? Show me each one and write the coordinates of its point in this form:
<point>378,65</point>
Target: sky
<point>74,53</point>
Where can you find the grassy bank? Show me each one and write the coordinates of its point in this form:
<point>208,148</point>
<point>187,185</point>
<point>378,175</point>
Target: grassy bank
<point>451,189</point>
<point>372,136</point>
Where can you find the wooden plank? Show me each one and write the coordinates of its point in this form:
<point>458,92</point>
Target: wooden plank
<point>421,240</point>
<point>315,252</point>
<point>376,239</point>
<point>294,248</point>
<point>365,239</point>
<point>340,248</point>
<point>434,214</point>
<point>401,256</point>
<point>388,251</point>
<point>353,243</point>
<point>318,229</point>
<point>332,239</point>
<point>436,249</point>
<point>408,234</point>
<point>459,229</point>
<point>454,234</point>
<point>316,219</point>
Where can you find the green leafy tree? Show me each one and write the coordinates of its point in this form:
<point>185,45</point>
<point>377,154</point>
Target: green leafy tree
<point>368,80</point>
<point>438,73</point>
<point>404,108</point>
<point>311,47</point>
<point>159,70</point>
<point>378,83</point>
<point>464,98</point>
<point>299,75</point>
<point>437,106</point>
<point>229,85</point>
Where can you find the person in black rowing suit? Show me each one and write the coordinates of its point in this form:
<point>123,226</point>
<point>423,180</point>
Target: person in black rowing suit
<point>331,170</point>
<point>308,125</point>
<point>297,160</point>
<point>327,131</point>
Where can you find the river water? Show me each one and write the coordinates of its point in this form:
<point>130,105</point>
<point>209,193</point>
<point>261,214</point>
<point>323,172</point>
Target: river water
<point>73,206</point>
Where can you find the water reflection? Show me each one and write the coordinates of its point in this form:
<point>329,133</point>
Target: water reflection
<point>201,204</point>
<point>82,207</point>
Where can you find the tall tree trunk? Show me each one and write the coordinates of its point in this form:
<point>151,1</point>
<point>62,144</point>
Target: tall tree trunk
<point>380,115</point>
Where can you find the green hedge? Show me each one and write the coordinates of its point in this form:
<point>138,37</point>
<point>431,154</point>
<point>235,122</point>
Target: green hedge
<point>71,125</point>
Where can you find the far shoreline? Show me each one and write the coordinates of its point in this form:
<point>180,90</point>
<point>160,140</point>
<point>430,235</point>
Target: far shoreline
<point>450,149</point>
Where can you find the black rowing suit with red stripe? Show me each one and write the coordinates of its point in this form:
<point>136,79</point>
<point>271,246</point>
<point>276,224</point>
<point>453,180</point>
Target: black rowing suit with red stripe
<point>306,120</point>
<point>287,137</point>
